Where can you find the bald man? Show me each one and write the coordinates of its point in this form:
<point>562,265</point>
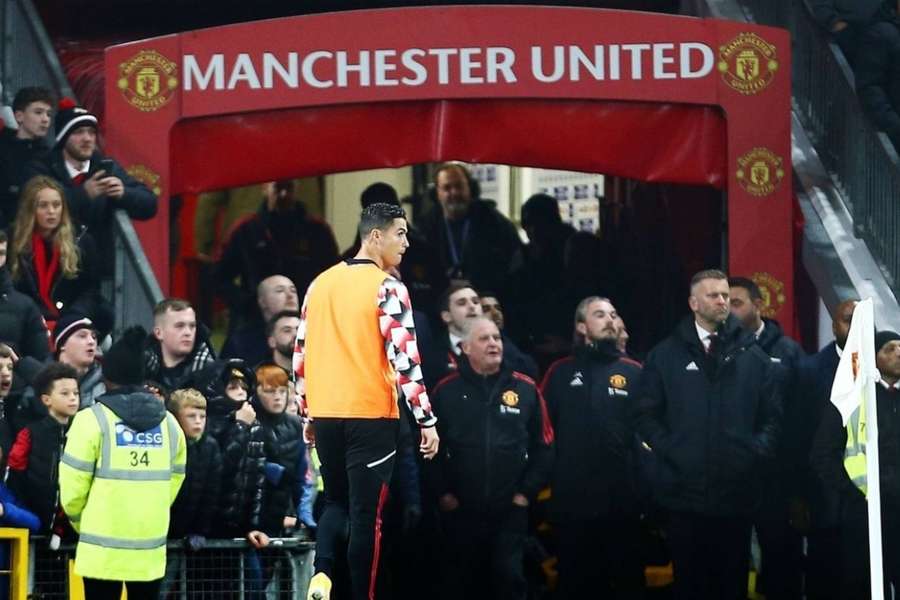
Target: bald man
<point>820,508</point>
<point>249,342</point>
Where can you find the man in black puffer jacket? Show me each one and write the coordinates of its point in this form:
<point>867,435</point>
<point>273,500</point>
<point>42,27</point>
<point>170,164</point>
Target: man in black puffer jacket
<point>709,407</point>
<point>495,456</point>
<point>594,504</point>
<point>232,422</point>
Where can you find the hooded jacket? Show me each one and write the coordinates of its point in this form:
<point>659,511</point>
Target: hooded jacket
<point>711,420</point>
<point>496,438</point>
<point>283,438</point>
<point>197,502</point>
<point>33,474</point>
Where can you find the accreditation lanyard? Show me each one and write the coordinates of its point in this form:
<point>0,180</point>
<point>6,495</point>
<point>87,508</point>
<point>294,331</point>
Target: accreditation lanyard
<point>456,255</point>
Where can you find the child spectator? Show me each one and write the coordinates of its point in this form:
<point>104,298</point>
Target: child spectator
<point>232,423</point>
<point>195,505</point>
<point>6,379</point>
<point>305,484</point>
<point>283,440</point>
<point>33,475</point>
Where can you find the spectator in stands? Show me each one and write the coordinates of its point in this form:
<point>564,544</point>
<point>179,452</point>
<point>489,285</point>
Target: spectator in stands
<point>22,325</point>
<point>281,238</point>
<point>94,184</point>
<point>821,503</point>
<point>76,346</point>
<point>780,544</point>
<point>491,307</point>
<point>831,458</point>
<point>421,270</point>
<point>178,346</point>
<point>194,509</point>
<point>54,262</point>
<point>7,365</point>
<point>622,336</point>
<point>847,21</point>
<point>38,447</point>
<point>232,422</point>
<point>459,305</point>
<point>595,504</point>
<point>878,77</point>
<point>707,455</point>
<point>249,340</point>
<point>126,436</point>
<point>495,456</point>
<point>282,332</point>
<point>33,109</point>
<point>283,439</point>
<point>474,240</point>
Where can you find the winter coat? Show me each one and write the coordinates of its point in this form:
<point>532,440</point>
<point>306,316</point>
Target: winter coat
<point>710,420</point>
<point>877,72</point>
<point>80,294</point>
<point>138,201</point>
<point>496,438</point>
<point>491,250</point>
<point>197,502</point>
<point>34,468</point>
<point>22,325</point>
<point>589,399</point>
<point>292,243</point>
<point>15,155</point>
<point>90,388</point>
<point>200,357</point>
<point>854,12</point>
<point>283,439</point>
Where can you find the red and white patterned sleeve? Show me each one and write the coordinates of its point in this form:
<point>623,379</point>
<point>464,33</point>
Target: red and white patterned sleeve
<point>297,362</point>
<point>395,318</point>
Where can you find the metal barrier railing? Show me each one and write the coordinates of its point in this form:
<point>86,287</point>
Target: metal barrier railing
<point>135,290</point>
<point>223,569</point>
<point>26,55</point>
<point>863,162</point>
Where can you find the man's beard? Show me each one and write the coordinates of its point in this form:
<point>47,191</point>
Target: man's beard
<point>287,351</point>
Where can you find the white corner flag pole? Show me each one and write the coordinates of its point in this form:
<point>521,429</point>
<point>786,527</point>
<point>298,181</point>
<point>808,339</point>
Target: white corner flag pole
<point>873,474</point>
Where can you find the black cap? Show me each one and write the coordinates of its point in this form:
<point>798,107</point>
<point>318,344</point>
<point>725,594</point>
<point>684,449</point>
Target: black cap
<point>123,363</point>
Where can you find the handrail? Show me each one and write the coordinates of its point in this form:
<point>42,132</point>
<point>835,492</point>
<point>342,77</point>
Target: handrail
<point>862,162</point>
<point>136,290</point>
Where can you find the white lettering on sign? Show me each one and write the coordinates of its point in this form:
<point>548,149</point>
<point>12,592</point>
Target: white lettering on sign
<point>492,65</point>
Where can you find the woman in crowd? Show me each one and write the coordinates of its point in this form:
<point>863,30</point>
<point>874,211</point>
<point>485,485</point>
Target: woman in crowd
<point>52,261</point>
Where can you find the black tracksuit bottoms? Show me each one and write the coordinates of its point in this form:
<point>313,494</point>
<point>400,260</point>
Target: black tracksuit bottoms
<point>357,457</point>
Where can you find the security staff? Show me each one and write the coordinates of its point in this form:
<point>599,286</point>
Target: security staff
<point>594,503</point>
<point>122,467</point>
<point>709,408</point>
<point>495,456</point>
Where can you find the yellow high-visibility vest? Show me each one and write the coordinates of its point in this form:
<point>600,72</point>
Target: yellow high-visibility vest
<point>855,452</point>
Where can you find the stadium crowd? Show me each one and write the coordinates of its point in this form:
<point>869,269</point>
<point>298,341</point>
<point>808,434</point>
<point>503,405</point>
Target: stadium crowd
<point>555,439</point>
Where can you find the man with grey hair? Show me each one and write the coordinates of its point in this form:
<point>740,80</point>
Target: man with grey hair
<point>709,408</point>
<point>595,506</point>
<point>495,457</point>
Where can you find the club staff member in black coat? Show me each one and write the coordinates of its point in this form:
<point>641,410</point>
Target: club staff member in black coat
<point>497,453</point>
<point>709,408</point>
<point>594,505</point>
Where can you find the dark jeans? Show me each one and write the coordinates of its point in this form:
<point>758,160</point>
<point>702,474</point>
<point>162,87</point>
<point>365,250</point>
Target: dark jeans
<point>484,554</point>
<point>855,580</point>
<point>823,564</point>
<point>357,460</point>
<point>101,589</point>
<point>601,555</point>
<point>781,547</point>
<point>710,556</point>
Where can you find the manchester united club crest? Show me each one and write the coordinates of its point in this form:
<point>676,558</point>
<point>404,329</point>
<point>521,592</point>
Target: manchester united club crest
<point>509,398</point>
<point>148,81</point>
<point>760,171</point>
<point>618,381</point>
<point>772,292</point>
<point>748,63</point>
<point>145,176</point>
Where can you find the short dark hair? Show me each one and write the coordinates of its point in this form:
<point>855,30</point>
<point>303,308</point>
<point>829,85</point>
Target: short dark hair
<point>707,274</point>
<point>379,192</point>
<point>5,351</point>
<point>27,95</point>
<point>44,380</point>
<point>748,284</point>
<point>379,216</point>
<point>459,284</point>
<point>4,237</point>
<point>270,325</point>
